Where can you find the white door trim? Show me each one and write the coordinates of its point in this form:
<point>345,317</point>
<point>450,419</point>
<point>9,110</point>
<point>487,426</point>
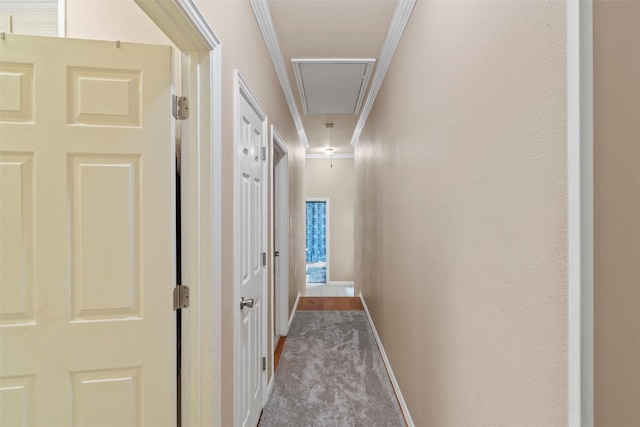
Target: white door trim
<point>580,213</point>
<point>242,90</point>
<point>201,188</point>
<point>281,218</point>
<point>328,233</point>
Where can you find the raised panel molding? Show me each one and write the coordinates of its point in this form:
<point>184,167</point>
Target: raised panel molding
<point>17,86</point>
<point>16,401</point>
<point>104,97</point>
<point>106,203</point>
<point>111,394</point>
<point>16,239</point>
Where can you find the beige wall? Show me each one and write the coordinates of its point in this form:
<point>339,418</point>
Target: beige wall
<point>617,212</point>
<point>243,48</point>
<point>461,213</point>
<point>335,183</point>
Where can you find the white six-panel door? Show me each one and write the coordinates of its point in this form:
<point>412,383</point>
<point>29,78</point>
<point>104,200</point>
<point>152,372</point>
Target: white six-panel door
<point>87,331</point>
<point>250,241</point>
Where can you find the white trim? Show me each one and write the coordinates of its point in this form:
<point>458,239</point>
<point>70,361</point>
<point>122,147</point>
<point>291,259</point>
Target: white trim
<point>295,307</point>
<point>580,213</point>
<point>296,62</point>
<point>201,181</point>
<point>62,18</point>
<point>175,15</point>
<point>270,386</point>
<point>263,15</point>
<point>281,218</point>
<point>335,156</point>
<point>385,359</point>
<point>327,233</point>
<point>216,229</point>
<point>341,283</point>
<point>241,89</point>
<point>396,28</point>
<point>29,6</point>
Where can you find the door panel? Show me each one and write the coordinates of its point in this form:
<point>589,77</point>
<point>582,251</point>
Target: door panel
<point>251,215</point>
<point>87,331</point>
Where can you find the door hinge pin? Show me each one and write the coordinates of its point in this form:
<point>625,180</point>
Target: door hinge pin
<point>264,258</point>
<point>264,153</point>
<point>180,297</point>
<point>264,363</point>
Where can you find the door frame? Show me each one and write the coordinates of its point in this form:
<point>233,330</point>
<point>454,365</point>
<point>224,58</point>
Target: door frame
<point>580,224</point>
<point>280,209</point>
<point>242,90</point>
<point>201,194</point>
<point>327,232</point>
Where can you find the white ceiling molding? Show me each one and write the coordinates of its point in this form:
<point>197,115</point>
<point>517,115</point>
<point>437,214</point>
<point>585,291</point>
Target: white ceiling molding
<point>173,16</point>
<point>263,15</point>
<point>335,156</point>
<point>396,28</point>
<point>332,85</point>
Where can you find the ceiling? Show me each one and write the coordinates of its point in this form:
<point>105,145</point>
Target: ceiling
<point>330,29</point>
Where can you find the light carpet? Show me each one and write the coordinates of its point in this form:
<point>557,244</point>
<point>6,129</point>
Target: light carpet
<point>331,374</point>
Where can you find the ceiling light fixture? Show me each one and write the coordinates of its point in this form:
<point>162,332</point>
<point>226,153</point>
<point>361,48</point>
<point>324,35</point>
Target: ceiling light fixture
<point>329,151</point>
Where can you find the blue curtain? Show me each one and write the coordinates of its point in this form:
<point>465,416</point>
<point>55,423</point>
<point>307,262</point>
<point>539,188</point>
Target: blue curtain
<point>316,231</point>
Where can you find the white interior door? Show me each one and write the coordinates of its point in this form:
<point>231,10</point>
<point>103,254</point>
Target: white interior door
<point>87,331</point>
<point>250,246</point>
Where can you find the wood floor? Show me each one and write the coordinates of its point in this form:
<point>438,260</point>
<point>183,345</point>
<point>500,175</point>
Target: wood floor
<point>330,303</point>
<point>319,303</point>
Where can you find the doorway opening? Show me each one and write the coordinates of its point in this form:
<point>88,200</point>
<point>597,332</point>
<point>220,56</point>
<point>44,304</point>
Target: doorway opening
<point>318,258</point>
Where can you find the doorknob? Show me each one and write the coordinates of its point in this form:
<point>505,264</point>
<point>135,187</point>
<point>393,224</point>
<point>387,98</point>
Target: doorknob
<point>246,303</point>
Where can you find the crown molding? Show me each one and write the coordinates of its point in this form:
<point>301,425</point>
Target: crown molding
<point>396,28</point>
<point>265,22</point>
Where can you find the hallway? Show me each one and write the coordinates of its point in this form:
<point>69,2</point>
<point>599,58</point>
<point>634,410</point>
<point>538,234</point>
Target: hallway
<point>331,370</point>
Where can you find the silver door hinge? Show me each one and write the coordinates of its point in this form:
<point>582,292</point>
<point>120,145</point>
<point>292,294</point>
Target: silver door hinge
<point>264,258</point>
<point>180,297</point>
<point>180,107</point>
<point>263,150</point>
<point>264,363</point>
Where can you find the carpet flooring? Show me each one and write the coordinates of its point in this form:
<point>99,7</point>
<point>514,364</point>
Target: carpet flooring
<point>331,374</point>
<point>317,275</point>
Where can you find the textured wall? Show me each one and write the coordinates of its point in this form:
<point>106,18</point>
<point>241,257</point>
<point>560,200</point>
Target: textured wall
<point>617,212</point>
<point>461,213</point>
<point>335,183</point>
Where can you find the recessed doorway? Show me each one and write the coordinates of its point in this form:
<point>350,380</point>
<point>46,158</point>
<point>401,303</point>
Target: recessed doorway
<point>329,192</point>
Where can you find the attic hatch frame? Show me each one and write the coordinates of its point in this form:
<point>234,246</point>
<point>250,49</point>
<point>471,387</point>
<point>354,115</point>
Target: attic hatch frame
<point>361,80</point>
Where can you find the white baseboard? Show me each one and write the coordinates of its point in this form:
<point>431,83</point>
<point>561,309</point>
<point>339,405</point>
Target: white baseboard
<point>338,283</point>
<point>270,387</point>
<point>392,377</point>
<point>295,307</point>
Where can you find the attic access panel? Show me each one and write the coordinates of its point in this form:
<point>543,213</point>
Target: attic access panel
<point>332,86</point>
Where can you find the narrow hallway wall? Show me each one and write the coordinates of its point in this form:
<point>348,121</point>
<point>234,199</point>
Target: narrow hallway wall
<point>617,212</point>
<point>461,213</point>
<point>244,49</point>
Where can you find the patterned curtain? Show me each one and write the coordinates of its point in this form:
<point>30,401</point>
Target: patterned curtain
<point>316,231</point>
